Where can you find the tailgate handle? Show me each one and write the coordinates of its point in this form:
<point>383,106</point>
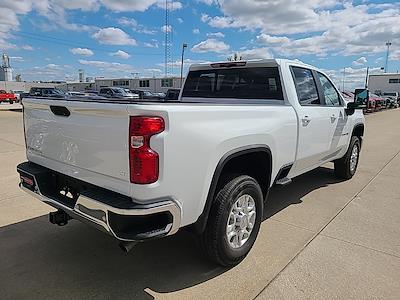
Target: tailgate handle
<point>60,111</point>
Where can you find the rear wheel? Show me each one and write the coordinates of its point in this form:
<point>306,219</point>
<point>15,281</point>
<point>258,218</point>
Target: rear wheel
<point>11,101</point>
<point>234,221</point>
<point>346,167</point>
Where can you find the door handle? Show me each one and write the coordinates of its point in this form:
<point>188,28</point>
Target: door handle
<point>306,120</point>
<point>333,118</point>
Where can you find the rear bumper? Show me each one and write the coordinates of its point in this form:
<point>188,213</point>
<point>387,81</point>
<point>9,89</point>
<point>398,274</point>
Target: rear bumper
<point>113,213</point>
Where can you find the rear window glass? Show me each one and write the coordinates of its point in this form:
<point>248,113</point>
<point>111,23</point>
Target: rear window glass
<point>235,83</point>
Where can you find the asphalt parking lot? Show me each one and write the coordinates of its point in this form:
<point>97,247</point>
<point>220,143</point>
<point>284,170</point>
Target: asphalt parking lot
<point>323,239</point>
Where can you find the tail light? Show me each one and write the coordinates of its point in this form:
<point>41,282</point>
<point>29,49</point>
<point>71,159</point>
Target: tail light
<point>143,161</point>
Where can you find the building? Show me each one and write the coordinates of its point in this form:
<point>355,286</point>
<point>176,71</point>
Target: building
<point>155,85</point>
<point>385,82</point>
<point>24,86</point>
<point>81,75</point>
<point>5,69</point>
<point>77,86</point>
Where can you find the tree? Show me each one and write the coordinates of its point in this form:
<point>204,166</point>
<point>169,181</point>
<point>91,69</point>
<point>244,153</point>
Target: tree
<point>235,57</point>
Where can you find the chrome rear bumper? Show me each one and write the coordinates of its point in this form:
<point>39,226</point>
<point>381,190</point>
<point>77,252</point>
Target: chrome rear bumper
<point>135,222</point>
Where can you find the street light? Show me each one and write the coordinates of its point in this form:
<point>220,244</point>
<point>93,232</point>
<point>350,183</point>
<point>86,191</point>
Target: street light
<point>184,46</point>
<point>388,44</point>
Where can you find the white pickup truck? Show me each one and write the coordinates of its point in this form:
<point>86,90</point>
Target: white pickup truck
<point>206,162</point>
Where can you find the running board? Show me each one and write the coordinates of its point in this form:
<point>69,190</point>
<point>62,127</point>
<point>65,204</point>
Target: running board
<point>284,181</point>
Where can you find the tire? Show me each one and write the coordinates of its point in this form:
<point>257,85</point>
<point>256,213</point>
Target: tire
<point>11,101</point>
<point>214,240</point>
<point>346,167</point>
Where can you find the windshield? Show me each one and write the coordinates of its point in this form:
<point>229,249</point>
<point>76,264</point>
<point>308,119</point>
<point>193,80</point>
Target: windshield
<point>57,92</point>
<point>120,92</point>
<point>235,83</point>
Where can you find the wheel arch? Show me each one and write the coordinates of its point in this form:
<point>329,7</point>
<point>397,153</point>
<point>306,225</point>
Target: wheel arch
<point>358,131</point>
<point>228,163</point>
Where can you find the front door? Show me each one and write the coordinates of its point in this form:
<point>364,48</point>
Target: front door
<point>339,134</point>
<point>315,123</point>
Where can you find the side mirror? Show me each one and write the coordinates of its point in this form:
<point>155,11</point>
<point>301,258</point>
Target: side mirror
<point>352,106</point>
<point>361,96</point>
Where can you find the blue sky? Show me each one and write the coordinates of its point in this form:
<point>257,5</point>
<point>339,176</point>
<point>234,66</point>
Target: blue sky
<point>52,39</point>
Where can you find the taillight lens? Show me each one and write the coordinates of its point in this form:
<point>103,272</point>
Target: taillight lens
<point>144,161</point>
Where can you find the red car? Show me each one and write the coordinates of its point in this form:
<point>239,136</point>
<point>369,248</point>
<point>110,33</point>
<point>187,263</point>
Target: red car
<point>380,103</point>
<point>7,97</point>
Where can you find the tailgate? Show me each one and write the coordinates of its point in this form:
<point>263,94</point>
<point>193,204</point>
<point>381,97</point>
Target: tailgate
<point>85,140</point>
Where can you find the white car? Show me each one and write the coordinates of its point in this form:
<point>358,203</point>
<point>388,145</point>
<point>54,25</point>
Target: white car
<point>18,94</point>
<point>144,170</point>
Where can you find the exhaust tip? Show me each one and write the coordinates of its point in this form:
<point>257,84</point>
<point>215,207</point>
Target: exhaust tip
<point>127,246</point>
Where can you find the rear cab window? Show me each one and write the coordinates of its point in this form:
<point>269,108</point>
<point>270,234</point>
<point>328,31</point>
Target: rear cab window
<point>258,83</point>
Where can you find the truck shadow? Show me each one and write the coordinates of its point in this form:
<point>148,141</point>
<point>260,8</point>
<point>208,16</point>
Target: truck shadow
<point>39,260</point>
<point>281,197</point>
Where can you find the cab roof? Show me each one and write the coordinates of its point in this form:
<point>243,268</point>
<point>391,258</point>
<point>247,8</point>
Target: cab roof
<point>248,63</point>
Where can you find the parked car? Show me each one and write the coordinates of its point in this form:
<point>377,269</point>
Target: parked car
<point>117,93</point>
<point>348,96</point>
<point>380,103</point>
<point>142,171</point>
<point>146,95</point>
<point>160,95</point>
<point>75,94</point>
<point>172,94</point>
<point>391,102</point>
<point>7,97</point>
<point>18,94</point>
<point>46,92</point>
<point>392,94</point>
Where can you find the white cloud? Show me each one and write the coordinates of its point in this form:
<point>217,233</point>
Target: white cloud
<point>85,5</point>
<point>17,58</point>
<point>210,45</point>
<point>216,34</point>
<point>180,20</point>
<point>196,31</point>
<point>166,28</point>
<point>174,5</point>
<point>113,36</point>
<point>205,18</point>
<point>208,2</point>
<point>256,53</point>
<point>152,44</point>
<point>355,77</point>
<point>327,26</point>
<point>135,26</point>
<point>107,66</point>
<point>121,54</point>
<point>394,55</point>
<point>360,62</point>
<point>272,40</point>
<point>27,47</point>
<point>81,51</point>
<point>53,66</point>
<point>128,5</point>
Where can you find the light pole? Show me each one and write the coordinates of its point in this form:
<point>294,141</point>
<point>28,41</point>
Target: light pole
<point>366,78</point>
<point>184,46</point>
<point>388,44</point>
<point>344,78</point>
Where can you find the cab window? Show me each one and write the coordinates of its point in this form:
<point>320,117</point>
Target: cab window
<point>328,90</point>
<point>305,86</point>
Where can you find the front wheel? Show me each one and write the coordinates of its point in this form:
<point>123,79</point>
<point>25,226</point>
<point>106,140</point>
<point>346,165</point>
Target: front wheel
<point>234,221</point>
<point>346,167</point>
<point>11,101</point>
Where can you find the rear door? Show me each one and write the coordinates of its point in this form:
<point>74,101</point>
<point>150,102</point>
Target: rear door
<point>314,121</point>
